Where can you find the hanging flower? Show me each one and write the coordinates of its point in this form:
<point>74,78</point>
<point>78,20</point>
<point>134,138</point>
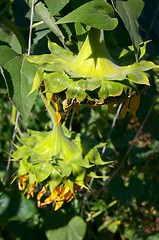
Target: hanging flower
<point>92,77</point>
<point>54,165</point>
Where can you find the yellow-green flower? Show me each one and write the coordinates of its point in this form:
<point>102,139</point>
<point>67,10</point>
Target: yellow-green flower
<point>92,76</point>
<point>55,165</point>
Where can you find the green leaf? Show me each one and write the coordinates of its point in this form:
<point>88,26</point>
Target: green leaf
<point>12,35</point>
<point>56,5</point>
<point>13,207</point>
<point>22,74</point>
<point>129,11</point>
<point>4,203</point>
<point>75,229</point>
<point>45,15</point>
<point>97,14</point>
<point>27,210</point>
<point>6,55</point>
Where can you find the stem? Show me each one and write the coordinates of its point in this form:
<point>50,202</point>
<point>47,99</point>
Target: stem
<point>50,110</point>
<point>31,26</point>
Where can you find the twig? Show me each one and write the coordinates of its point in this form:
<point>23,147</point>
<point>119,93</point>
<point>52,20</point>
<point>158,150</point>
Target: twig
<point>113,125</point>
<point>12,140</point>
<point>71,120</point>
<point>103,151</point>
<point>86,196</point>
<point>31,27</point>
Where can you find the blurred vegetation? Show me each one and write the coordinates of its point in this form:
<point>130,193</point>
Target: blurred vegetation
<point>124,205</point>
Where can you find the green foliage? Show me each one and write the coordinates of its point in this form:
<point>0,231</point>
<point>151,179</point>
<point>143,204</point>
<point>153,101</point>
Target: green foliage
<point>129,11</point>
<point>97,14</point>
<point>114,161</point>
<point>75,229</point>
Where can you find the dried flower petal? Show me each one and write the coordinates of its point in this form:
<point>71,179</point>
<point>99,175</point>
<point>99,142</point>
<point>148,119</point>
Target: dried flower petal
<point>22,182</point>
<point>31,190</point>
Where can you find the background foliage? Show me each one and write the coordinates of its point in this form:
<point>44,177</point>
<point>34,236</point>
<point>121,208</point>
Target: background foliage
<point>124,206</point>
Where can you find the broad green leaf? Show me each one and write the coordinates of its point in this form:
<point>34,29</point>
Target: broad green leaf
<point>81,32</point>
<point>13,207</point>
<point>97,14</point>
<point>75,229</point>
<point>4,203</point>
<point>27,210</point>
<point>6,55</point>
<point>45,15</point>
<point>55,6</point>
<point>129,11</point>
<point>11,34</point>
<point>22,74</point>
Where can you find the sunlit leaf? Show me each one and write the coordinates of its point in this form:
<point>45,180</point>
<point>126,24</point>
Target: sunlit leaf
<point>98,14</point>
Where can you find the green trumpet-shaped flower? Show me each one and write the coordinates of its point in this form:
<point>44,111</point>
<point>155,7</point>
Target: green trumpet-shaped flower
<point>92,76</point>
<point>55,164</point>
